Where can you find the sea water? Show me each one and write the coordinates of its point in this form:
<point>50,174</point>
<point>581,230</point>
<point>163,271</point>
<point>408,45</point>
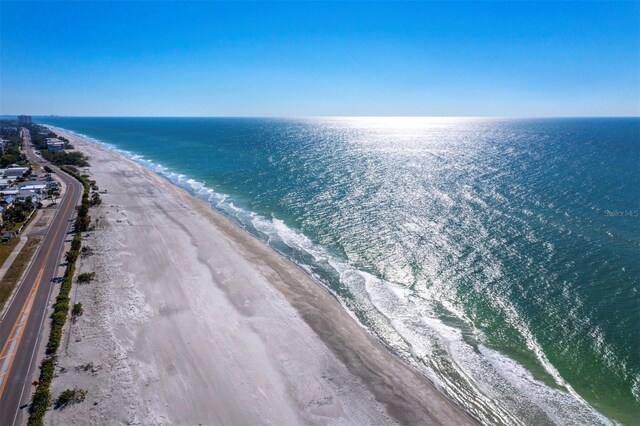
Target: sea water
<point>499,257</point>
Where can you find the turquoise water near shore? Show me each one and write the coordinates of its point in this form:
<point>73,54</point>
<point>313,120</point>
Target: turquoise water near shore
<point>500,257</point>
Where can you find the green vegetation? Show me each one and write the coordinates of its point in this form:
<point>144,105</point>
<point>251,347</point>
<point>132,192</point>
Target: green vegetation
<point>18,266</point>
<point>76,243</point>
<point>86,251</point>
<point>73,158</point>
<point>87,277</point>
<point>14,217</point>
<point>42,395</point>
<point>70,396</point>
<point>7,248</point>
<point>76,311</point>
<point>60,310</point>
<point>71,256</point>
<point>83,220</point>
<point>11,153</point>
<point>39,136</point>
<point>95,199</point>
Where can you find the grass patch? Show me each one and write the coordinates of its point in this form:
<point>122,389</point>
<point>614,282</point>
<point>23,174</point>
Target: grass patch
<point>7,248</point>
<point>18,266</point>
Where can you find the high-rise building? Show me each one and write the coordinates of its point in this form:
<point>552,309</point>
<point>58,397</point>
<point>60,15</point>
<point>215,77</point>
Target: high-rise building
<point>23,120</point>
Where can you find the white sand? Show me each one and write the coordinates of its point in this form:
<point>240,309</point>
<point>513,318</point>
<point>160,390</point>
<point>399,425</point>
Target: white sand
<point>192,320</point>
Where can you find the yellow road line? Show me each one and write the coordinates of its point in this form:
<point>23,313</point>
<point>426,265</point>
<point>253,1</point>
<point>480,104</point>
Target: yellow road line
<point>30,298</point>
<point>29,302</point>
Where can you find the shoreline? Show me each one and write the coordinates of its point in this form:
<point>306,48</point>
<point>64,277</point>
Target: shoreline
<point>382,387</point>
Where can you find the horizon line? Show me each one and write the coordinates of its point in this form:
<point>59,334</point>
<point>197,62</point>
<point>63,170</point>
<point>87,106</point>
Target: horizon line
<point>324,116</point>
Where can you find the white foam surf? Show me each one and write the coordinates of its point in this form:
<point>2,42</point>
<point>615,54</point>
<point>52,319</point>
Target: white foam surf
<point>490,385</point>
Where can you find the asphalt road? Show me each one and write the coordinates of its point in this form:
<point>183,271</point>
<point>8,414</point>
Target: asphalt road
<point>21,327</point>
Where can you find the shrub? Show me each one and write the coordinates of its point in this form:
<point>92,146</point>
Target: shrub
<point>42,397</point>
<point>76,243</point>
<point>82,223</point>
<point>86,251</point>
<point>71,256</point>
<point>86,277</point>
<point>83,210</point>
<point>74,158</point>
<point>68,397</point>
<point>76,311</point>
<point>95,199</point>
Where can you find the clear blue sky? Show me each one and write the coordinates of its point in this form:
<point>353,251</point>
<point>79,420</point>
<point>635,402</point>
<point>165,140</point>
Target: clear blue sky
<point>306,59</point>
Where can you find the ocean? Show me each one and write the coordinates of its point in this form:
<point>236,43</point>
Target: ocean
<point>500,257</point>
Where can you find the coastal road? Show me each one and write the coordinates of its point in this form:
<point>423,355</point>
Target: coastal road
<point>21,327</point>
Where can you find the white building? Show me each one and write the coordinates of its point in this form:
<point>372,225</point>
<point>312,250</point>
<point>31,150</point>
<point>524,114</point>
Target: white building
<point>15,171</point>
<point>54,144</point>
<point>37,187</point>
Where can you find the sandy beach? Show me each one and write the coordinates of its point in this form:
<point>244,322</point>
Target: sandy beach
<point>191,320</point>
